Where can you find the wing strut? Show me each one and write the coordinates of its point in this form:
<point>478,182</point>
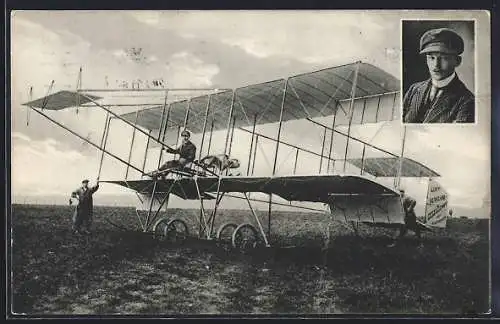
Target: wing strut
<point>257,219</point>
<point>397,180</point>
<point>351,111</point>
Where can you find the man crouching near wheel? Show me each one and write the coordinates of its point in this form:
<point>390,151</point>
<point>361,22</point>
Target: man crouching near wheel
<point>410,217</point>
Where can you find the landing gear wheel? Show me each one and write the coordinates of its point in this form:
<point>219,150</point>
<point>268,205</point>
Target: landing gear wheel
<point>245,237</point>
<point>176,231</point>
<point>159,227</point>
<point>225,232</point>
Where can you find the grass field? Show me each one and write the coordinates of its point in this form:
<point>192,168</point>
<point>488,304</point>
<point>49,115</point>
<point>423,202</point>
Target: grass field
<point>119,272</point>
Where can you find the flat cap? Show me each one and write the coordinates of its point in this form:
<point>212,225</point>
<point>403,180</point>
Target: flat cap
<point>185,133</point>
<point>441,40</point>
<point>85,181</point>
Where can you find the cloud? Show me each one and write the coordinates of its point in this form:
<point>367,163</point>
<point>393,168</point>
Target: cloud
<point>147,17</point>
<point>42,167</point>
<point>187,70</point>
<point>326,37</point>
<point>47,166</point>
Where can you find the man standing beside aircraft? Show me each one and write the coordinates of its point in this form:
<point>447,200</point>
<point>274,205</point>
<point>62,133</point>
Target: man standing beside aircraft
<point>410,217</point>
<point>82,216</point>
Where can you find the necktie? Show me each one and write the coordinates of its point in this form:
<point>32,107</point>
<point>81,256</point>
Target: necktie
<point>433,92</point>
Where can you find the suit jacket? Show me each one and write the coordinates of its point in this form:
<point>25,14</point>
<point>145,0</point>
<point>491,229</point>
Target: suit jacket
<point>455,104</point>
<point>187,151</point>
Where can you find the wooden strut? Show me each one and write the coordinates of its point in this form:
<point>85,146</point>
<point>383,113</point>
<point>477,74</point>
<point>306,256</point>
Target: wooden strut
<point>204,126</point>
<point>296,159</point>
<point>104,140</point>
<point>123,120</point>
<point>85,139</point>
<point>275,157</point>
<point>210,138</point>
<point>150,205</point>
<point>251,144</point>
<point>202,210</point>
<point>218,199</point>
<point>165,199</point>
<point>231,137</point>
<point>132,142</point>
<point>211,219</point>
<point>331,146</point>
<point>322,150</point>
<point>255,153</point>
<point>164,130</point>
<point>258,220</point>
<point>146,153</point>
<point>229,122</point>
<point>351,112</point>
<point>397,180</point>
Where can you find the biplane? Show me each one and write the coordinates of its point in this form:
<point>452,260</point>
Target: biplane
<point>348,184</point>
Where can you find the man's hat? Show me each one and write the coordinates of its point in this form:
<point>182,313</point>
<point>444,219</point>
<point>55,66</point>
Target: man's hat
<point>85,181</point>
<point>441,40</point>
<point>185,133</point>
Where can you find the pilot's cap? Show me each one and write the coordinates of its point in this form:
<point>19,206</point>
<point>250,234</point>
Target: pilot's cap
<point>185,133</point>
<point>441,40</point>
<point>85,181</point>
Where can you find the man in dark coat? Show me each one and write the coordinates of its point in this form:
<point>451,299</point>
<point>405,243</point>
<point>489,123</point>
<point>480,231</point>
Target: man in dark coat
<point>443,98</point>
<point>82,216</point>
<point>187,154</point>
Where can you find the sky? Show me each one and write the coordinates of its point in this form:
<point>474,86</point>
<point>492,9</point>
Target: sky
<point>218,50</point>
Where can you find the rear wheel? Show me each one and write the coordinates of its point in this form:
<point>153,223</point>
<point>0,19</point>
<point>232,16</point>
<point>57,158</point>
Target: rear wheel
<point>245,237</point>
<point>225,232</point>
<point>176,231</point>
<point>159,228</point>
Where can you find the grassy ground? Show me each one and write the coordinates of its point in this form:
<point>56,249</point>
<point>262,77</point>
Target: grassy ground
<point>117,272</point>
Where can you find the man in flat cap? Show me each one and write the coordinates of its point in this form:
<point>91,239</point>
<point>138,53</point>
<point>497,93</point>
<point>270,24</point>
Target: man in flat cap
<point>82,217</point>
<point>443,98</point>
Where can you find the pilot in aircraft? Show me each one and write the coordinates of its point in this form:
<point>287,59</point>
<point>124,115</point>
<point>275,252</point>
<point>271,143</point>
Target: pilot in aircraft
<point>82,216</point>
<point>443,98</point>
<point>410,217</point>
<point>187,152</point>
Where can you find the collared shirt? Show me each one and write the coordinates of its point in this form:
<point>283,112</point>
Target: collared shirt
<point>443,83</point>
<point>437,85</point>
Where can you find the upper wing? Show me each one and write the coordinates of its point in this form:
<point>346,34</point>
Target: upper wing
<point>60,100</point>
<point>309,95</point>
<point>389,167</point>
<point>316,94</point>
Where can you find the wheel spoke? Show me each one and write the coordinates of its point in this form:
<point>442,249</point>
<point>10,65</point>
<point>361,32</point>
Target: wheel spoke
<point>244,237</point>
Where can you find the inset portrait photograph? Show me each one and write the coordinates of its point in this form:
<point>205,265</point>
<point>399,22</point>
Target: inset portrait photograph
<point>438,71</point>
